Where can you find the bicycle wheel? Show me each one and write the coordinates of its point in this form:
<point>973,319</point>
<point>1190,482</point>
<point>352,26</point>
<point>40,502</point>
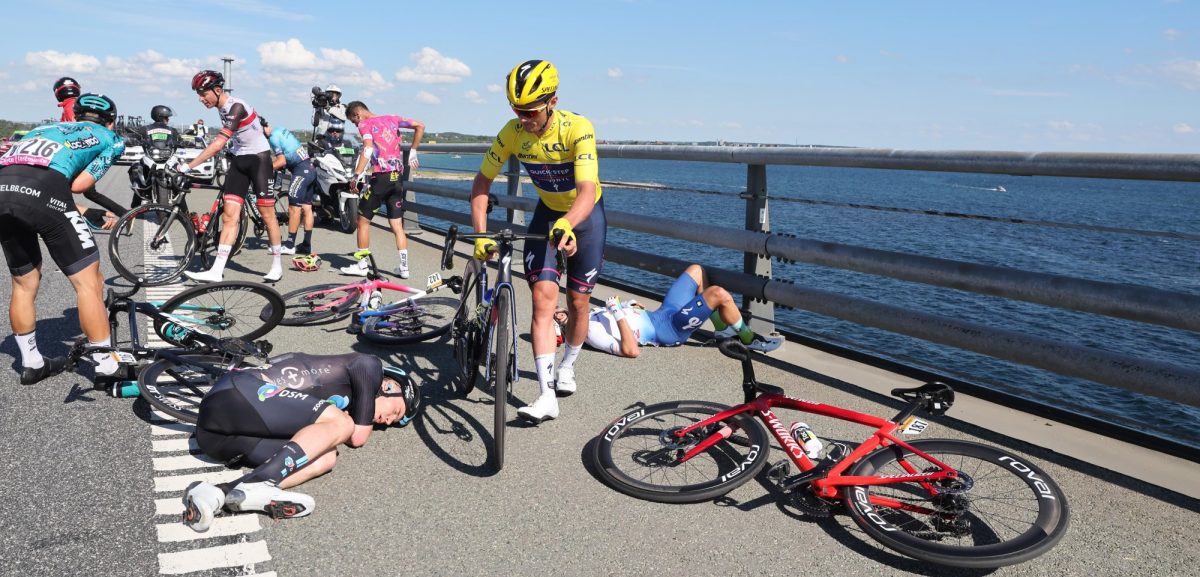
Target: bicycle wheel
<point>312,305</point>
<point>468,334</point>
<point>348,219</point>
<point>638,455</point>
<point>229,309</point>
<point>281,208</point>
<point>502,369</point>
<point>176,387</point>
<point>427,318</point>
<point>152,244</point>
<point>1001,509</point>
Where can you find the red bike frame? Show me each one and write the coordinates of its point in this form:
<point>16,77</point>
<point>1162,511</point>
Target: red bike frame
<point>830,483</point>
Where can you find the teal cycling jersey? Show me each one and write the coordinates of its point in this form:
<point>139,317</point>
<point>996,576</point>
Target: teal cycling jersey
<point>68,148</point>
<point>283,142</point>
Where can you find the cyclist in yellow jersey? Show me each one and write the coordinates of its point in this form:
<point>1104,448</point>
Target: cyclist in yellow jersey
<point>558,150</point>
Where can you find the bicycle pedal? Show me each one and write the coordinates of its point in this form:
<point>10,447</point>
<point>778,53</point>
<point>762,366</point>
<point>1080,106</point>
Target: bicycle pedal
<point>779,471</point>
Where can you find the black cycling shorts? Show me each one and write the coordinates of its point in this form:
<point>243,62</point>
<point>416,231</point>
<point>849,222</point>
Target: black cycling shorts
<point>232,428</point>
<point>248,171</point>
<point>36,201</point>
<point>583,269</point>
<point>387,190</point>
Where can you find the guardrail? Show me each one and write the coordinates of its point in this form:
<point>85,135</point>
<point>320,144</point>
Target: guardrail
<point>1143,304</point>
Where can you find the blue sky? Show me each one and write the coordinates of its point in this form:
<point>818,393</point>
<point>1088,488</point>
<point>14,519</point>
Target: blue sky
<point>1120,76</point>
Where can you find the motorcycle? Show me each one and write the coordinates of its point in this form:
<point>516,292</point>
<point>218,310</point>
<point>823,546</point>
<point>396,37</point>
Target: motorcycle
<point>151,181</point>
<point>334,200</point>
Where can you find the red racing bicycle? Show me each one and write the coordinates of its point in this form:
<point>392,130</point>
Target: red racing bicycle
<point>949,502</point>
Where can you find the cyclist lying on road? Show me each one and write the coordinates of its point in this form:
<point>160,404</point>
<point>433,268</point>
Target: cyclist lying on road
<point>286,419</point>
<point>619,328</point>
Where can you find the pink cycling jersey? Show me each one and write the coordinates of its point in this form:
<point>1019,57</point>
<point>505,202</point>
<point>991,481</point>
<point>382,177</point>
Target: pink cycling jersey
<point>383,133</point>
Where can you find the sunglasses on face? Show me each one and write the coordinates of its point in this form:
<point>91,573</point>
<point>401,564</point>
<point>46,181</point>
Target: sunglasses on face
<point>529,113</point>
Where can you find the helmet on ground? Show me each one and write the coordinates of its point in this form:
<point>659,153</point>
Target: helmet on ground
<point>407,390</point>
<point>306,262</point>
<point>161,113</point>
<point>333,88</point>
<point>96,107</point>
<point>65,87</point>
<point>531,82</point>
<point>206,80</point>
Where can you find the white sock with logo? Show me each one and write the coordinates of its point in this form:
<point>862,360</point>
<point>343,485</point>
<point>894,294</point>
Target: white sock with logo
<point>108,361</point>
<point>570,353</point>
<point>223,251</point>
<point>545,372</point>
<point>404,259</point>
<point>31,357</point>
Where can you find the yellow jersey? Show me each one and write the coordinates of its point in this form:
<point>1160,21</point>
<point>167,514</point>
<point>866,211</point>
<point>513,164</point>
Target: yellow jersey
<point>564,155</point>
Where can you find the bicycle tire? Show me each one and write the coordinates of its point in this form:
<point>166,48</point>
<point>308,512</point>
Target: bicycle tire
<point>1018,531</point>
<point>281,208</point>
<point>348,219</point>
<point>152,244</point>
<point>228,309</point>
<point>632,454</point>
<point>320,303</point>
<point>425,319</point>
<point>468,334</point>
<point>176,386</point>
<point>502,365</point>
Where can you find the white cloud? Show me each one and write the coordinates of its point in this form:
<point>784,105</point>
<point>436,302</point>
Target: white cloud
<point>55,62</point>
<point>291,64</point>
<point>1074,131</point>
<point>842,59</point>
<point>428,98</point>
<point>1172,34</point>
<point>29,86</point>
<point>731,125</point>
<point>474,97</point>
<point>1184,72</point>
<point>494,88</point>
<point>615,73</point>
<point>433,68</point>
<point>1183,128</point>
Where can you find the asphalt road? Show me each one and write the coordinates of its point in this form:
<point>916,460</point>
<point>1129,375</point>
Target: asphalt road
<point>89,481</point>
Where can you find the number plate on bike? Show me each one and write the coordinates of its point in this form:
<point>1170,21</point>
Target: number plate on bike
<point>913,426</point>
<point>124,357</point>
<point>433,279</point>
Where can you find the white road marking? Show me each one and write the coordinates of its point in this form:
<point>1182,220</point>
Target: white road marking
<point>221,527</point>
<point>207,558</point>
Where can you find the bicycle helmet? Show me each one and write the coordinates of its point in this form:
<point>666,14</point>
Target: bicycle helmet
<point>161,113</point>
<point>65,87</point>
<point>531,82</point>
<point>306,262</point>
<point>207,80</point>
<point>97,107</point>
<point>408,391</point>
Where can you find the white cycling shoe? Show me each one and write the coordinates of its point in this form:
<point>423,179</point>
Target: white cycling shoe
<point>765,344</point>
<point>274,274</point>
<point>206,276</point>
<point>401,272</point>
<point>269,499</point>
<point>543,409</point>
<point>287,250</point>
<point>201,503</point>
<point>357,269</point>
<point>564,385</point>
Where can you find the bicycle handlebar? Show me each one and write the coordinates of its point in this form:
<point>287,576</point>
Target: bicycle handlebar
<point>504,236</point>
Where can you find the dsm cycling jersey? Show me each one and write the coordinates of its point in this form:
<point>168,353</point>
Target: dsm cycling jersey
<point>240,125</point>
<point>564,155</point>
<point>283,142</point>
<point>68,148</point>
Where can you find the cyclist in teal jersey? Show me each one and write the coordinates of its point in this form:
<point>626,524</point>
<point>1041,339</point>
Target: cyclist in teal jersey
<point>37,178</point>
<point>292,155</point>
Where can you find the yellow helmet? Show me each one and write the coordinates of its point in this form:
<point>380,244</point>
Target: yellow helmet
<point>531,82</point>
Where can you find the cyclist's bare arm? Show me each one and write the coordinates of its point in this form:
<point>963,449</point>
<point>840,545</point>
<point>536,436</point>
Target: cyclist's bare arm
<point>629,343</point>
<point>479,191</point>
<point>585,200</point>
<point>213,148</point>
<point>359,437</point>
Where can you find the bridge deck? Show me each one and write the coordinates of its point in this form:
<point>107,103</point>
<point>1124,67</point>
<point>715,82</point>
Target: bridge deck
<point>92,483</point>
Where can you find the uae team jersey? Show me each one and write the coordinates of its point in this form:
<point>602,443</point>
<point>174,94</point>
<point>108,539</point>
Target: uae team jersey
<point>555,161</point>
<point>382,132</point>
<point>240,124</point>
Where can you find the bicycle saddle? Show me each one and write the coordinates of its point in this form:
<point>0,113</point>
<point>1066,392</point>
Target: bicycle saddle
<point>936,398</point>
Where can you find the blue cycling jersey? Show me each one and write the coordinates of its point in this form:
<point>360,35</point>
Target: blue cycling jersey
<point>67,147</point>
<point>284,142</point>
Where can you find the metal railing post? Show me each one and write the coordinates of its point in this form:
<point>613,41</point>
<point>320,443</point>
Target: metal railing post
<point>514,189</point>
<point>762,313</point>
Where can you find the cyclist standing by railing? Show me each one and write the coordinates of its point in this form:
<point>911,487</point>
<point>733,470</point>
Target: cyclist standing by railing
<point>37,178</point>
<point>558,150</point>
<point>249,166</point>
<point>290,153</point>
<point>381,152</point>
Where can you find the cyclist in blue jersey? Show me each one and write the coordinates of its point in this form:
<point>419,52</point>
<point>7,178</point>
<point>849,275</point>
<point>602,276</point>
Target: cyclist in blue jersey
<point>620,328</point>
<point>37,178</point>
<point>287,419</point>
<point>290,153</point>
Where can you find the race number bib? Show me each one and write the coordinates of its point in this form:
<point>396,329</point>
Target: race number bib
<point>32,152</point>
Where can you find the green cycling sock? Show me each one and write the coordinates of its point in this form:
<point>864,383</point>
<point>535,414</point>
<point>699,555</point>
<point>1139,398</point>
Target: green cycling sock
<point>717,322</point>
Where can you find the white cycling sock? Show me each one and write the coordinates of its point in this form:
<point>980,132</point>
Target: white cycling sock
<point>31,357</point>
<point>570,353</point>
<point>108,361</point>
<point>404,259</point>
<point>223,251</point>
<point>545,372</point>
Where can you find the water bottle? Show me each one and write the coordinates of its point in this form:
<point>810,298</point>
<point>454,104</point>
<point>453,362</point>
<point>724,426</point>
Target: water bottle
<point>125,389</point>
<point>376,299</point>
<point>807,439</point>
<point>204,218</point>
